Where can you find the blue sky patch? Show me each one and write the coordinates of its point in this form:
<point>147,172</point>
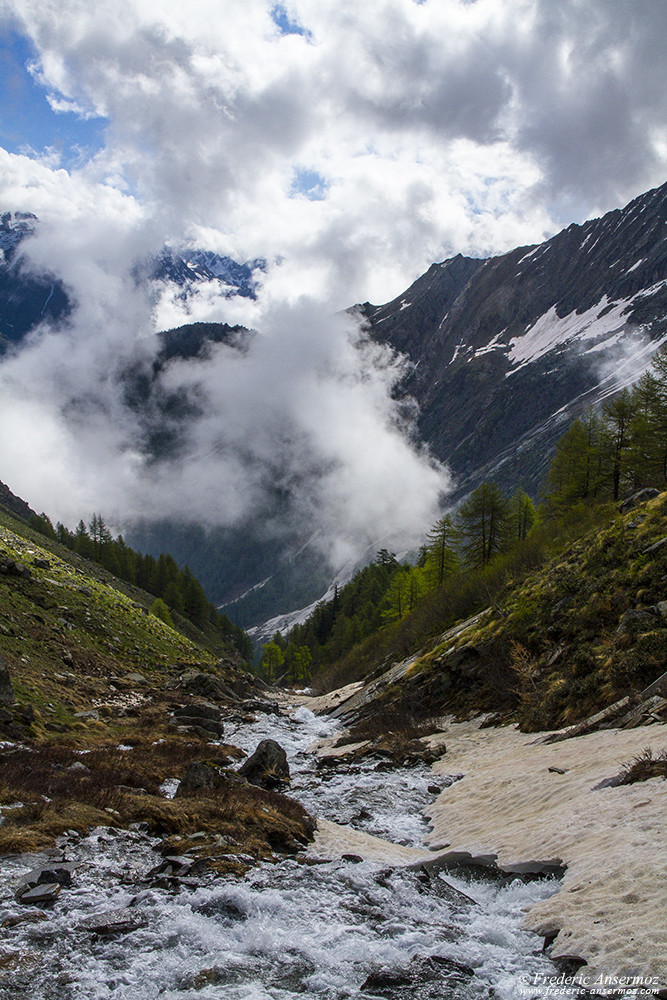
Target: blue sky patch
<point>309,183</point>
<point>282,19</point>
<point>27,121</point>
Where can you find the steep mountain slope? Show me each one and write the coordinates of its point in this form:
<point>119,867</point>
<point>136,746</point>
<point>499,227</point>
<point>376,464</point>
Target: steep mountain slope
<point>506,351</point>
<point>101,702</point>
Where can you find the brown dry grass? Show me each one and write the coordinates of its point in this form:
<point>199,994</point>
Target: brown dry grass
<point>58,799</point>
<point>645,766</point>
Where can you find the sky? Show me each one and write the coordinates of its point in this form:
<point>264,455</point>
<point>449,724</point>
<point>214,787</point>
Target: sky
<point>349,145</point>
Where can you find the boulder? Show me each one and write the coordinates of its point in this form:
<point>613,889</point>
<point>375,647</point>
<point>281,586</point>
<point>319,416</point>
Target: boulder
<point>267,767</point>
<point>204,685</point>
<point>209,726</point>
<point>203,710</point>
<point>38,895</point>
<point>9,567</point>
<point>118,921</point>
<point>201,777</point>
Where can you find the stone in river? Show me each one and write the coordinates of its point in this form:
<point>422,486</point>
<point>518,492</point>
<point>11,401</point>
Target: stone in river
<point>38,895</point>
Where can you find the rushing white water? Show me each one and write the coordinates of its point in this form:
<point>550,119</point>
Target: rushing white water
<point>288,931</point>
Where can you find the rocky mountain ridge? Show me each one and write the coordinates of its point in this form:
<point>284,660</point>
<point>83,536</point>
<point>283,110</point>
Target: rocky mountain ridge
<point>506,351</point>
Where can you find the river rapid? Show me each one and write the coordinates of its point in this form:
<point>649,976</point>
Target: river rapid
<point>293,930</point>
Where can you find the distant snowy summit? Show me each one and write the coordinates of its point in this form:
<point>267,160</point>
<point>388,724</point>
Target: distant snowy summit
<point>190,267</point>
<point>28,298</point>
<point>13,227</point>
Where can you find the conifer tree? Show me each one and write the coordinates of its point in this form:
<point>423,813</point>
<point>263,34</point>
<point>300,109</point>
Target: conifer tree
<point>482,524</point>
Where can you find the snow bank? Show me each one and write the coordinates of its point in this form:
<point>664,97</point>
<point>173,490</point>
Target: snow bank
<point>611,909</point>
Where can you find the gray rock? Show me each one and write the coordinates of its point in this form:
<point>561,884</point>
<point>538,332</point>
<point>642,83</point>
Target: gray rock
<point>38,895</point>
<point>91,713</point>
<point>118,921</point>
<point>641,496</point>
<point>41,563</point>
<point>78,766</point>
<point>267,767</point>
<point>656,545</point>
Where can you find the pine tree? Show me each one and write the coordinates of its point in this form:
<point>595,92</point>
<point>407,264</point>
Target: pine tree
<point>482,524</point>
<point>439,547</point>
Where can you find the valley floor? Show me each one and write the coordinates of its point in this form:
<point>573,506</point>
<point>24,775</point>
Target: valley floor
<point>525,805</point>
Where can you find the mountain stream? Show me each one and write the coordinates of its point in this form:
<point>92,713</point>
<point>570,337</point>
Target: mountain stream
<point>294,930</point>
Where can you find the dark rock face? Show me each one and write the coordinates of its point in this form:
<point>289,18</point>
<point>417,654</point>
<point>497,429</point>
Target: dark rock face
<point>15,505</point>
<point>27,298</point>
<point>267,767</point>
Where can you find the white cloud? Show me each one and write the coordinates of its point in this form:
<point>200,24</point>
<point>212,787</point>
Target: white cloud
<point>438,128</point>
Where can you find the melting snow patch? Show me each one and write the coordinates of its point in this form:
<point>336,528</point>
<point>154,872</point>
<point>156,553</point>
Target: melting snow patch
<point>551,331</point>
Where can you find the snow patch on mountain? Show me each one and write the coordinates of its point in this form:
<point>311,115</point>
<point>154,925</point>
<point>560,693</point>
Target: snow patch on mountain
<point>551,331</point>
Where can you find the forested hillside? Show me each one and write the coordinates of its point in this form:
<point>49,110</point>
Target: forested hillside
<point>178,592</point>
<point>487,554</point>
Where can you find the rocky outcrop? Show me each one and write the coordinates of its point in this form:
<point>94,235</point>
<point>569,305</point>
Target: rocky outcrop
<point>203,719</point>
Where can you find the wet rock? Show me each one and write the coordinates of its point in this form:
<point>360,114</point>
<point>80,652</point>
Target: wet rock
<point>428,878</point>
<point>32,917</point>
<point>434,789</point>
<point>38,895</point>
<point>58,872</point>
<point>362,815</point>
<point>421,970</point>
<point>118,921</point>
<point>354,859</point>
<point>267,767</point>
